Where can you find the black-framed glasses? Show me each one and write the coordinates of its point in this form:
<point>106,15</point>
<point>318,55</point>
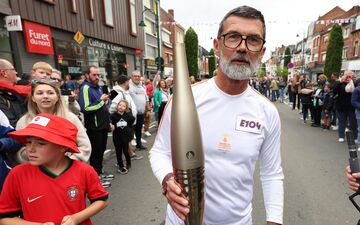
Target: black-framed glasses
<point>253,43</point>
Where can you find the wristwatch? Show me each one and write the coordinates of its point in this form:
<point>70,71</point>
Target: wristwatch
<point>169,176</point>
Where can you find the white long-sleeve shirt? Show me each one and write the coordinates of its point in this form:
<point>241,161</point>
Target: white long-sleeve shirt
<point>237,130</point>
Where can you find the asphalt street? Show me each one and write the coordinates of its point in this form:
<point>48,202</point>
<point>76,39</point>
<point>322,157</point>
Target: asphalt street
<point>315,187</point>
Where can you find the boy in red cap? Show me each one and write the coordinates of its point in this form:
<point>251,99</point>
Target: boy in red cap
<point>51,188</point>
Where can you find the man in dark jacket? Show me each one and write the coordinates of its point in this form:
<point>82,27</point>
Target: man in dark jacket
<point>11,104</point>
<point>96,116</point>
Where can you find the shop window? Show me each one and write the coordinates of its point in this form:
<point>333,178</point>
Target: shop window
<point>323,57</point>
<point>108,12</point>
<point>150,51</point>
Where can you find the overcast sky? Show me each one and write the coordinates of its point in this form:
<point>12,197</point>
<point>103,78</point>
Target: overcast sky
<point>284,18</point>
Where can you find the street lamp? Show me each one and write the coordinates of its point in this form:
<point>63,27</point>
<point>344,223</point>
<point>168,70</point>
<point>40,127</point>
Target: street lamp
<point>158,60</point>
<point>302,52</point>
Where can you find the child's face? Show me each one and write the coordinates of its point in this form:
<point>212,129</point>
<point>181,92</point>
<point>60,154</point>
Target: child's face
<point>326,88</point>
<point>41,152</point>
<point>121,107</point>
<point>45,97</point>
<point>41,73</point>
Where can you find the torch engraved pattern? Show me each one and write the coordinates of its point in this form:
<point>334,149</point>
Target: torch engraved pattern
<point>186,144</point>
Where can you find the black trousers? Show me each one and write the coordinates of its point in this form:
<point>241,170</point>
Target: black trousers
<point>98,140</point>
<point>121,147</point>
<point>138,127</point>
<point>161,111</point>
<point>317,115</point>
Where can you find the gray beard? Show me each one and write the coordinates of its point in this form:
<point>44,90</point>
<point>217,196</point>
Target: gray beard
<point>237,72</point>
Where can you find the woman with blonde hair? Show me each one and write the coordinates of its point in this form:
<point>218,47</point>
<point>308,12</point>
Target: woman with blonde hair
<point>45,98</point>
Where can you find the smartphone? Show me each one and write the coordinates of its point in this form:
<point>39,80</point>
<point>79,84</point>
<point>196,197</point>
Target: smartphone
<point>65,92</point>
<point>113,94</point>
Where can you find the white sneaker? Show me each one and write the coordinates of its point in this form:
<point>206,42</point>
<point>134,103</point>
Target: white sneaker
<point>133,142</point>
<point>341,140</point>
<point>334,127</point>
<point>107,154</point>
<point>143,141</point>
<point>147,134</point>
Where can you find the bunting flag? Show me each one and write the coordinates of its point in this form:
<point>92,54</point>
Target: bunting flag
<point>323,22</point>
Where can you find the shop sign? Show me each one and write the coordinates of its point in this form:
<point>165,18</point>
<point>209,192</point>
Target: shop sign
<point>38,38</point>
<point>103,45</point>
<point>150,64</point>
<point>79,37</point>
<point>138,51</point>
<point>74,70</point>
<point>13,23</point>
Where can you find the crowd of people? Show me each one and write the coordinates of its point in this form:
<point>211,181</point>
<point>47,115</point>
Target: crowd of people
<point>328,103</point>
<point>93,111</point>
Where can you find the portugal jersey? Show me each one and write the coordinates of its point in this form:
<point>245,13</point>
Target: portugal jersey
<point>38,196</point>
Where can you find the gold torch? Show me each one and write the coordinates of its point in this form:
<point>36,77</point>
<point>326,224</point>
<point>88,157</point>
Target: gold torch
<point>186,144</point>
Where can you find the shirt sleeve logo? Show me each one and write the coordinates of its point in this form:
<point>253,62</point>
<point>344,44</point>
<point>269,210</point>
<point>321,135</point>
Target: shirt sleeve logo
<point>248,125</point>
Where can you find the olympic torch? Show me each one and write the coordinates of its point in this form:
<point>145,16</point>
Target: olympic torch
<point>186,144</point>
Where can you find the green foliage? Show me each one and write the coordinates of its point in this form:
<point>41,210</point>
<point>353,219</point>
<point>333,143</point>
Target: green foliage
<point>191,46</point>
<point>287,58</point>
<point>262,70</point>
<point>211,62</point>
<point>282,72</point>
<point>334,51</point>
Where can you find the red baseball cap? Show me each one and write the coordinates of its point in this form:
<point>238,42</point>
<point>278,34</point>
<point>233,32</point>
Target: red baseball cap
<point>51,128</point>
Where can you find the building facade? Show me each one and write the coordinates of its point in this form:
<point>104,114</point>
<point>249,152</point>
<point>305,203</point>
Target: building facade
<point>71,35</point>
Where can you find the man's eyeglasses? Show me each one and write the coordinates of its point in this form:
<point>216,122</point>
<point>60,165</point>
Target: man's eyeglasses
<point>253,43</point>
<point>56,79</point>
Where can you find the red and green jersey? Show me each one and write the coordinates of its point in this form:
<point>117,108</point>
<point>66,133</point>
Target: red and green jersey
<point>36,195</point>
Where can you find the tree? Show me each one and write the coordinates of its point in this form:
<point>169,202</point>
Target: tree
<point>191,47</point>
<point>262,70</point>
<point>334,51</point>
<point>287,58</point>
<point>282,72</point>
<point>211,62</point>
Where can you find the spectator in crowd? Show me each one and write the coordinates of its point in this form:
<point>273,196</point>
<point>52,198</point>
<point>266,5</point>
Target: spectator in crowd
<point>41,70</point>
<point>231,149</point>
<point>295,82</point>
<point>344,110</point>
<point>318,100</point>
<point>12,104</point>
<point>334,82</point>
<point>123,121</point>
<point>328,105</point>
<point>355,101</point>
<point>149,89</point>
<point>169,84</point>
<point>67,95</point>
<point>282,86</point>
<point>25,79</point>
<point>45,97</point>
<point>161,97</point>
<point>69,84</point>
<point>7,146</point>
<point>138,94</point>
<point>274,86</point>
<point>306,101</point>
<point>58,201</point>
<point>122,89</point>
<point>97,120</point>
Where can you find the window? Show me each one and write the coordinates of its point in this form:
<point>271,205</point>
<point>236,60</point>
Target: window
<point>356,50</point>
<point>326,39</point>
<point>150,51</point>
<point>133,23</point>
<point>73,6</point>
<point>147,4</point>
<point>344,53</point>
<point>109,19</point>
<point>316,57</point>
<point>91,10</point>
<point>150,27</point>
<point>166,37</point>
<point>323,57</point>
<point>346,32</point>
